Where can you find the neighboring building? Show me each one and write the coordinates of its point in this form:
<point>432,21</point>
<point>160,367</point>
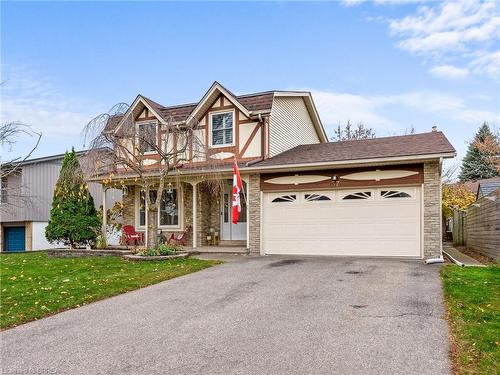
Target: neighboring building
<point>26,199</point>
<point>488,186</point>
<point>305,195</point>
<point>483,187</point>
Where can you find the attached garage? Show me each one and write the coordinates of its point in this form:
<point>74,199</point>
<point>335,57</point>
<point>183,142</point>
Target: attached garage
<point>379,221</point>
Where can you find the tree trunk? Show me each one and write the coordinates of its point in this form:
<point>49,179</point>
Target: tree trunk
<point>152,235</point>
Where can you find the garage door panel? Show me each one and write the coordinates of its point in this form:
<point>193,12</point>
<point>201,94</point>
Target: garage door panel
<point>359,247</point>
<point>377,226</point>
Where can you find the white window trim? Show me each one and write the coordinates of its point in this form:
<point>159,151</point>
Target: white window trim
<point>210,128</point>
<point>147,122</point>
<point>179,227</point>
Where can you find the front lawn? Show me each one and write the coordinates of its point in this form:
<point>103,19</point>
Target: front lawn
<point>34,285</point>
<point>472,297</point>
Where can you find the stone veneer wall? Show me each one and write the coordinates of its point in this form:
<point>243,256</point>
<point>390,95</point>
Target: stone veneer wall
<point>188,210</point>
<point>254,214</point>
<point>432,210</point>
<point>129,206</point>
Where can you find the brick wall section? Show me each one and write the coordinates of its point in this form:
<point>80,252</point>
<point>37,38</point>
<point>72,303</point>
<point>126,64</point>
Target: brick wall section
<point>482,226</point>
<point>129,206</point>
<point>215,213</point>
<point>203,214</point>
<point>432,210</point>
<point>254,208</point>
<point>188,210</point>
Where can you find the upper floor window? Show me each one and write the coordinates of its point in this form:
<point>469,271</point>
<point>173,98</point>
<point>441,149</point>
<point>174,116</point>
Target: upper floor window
<point>222,128</point>
<point>147,137</point>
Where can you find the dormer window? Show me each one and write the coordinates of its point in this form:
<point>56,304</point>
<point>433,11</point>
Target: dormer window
<point>147,137</point>
<point>222,127</point>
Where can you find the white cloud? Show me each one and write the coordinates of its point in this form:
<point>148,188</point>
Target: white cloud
<point>450,72</point>
<point>487,63</point>
<point>35,101</point>
<point>453,30</point>
<point>378,111</point>
<point>350,3</point>
<point>335,108</point>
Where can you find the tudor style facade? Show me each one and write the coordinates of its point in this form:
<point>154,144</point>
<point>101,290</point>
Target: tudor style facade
<point>303,195</point>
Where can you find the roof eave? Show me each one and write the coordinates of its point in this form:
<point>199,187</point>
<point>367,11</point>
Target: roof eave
<point>352,163</point>
<point>136,101</point>
<point>303,166</point>
<point>216,87</point>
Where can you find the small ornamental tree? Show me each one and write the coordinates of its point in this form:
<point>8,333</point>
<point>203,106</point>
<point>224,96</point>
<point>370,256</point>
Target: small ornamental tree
<point>73,217</point>
<point>456,197</point>
<point>482,156</point>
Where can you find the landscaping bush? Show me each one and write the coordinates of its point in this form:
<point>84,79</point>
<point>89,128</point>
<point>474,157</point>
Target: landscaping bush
<point>161,250</point>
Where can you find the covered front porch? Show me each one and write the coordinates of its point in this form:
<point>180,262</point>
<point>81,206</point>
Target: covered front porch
<point>199,208</point>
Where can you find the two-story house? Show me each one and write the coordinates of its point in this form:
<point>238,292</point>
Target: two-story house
<point>26,199</point>
<point>304,194</point>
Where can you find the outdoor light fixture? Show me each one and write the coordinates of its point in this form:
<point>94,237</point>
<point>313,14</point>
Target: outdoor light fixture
<point>169,188</point>
<point>334,178</point>
<point>124,190</point>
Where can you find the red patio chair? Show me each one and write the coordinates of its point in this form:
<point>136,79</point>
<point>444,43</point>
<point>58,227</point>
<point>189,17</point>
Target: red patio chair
<point>179,238</point>
<point>131,236</point>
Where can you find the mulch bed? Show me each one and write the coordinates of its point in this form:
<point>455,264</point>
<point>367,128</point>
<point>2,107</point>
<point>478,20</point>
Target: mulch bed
<point>477,256</point>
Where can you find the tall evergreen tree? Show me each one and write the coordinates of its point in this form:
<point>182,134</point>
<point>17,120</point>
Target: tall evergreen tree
<point>477,164</point>
<point>73,218</point>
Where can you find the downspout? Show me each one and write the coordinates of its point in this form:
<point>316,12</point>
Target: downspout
<point>262,148</point>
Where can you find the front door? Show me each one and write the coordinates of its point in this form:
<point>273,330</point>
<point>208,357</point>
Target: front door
<point>229,230</point>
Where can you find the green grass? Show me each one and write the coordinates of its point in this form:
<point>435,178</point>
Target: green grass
<point>34,285</point>
<point>472,297</point>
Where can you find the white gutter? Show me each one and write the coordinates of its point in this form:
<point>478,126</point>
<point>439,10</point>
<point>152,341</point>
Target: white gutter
<point>320,165</point>
<point>301,166</point>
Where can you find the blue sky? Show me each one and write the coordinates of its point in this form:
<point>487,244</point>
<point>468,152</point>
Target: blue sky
<point>390,65</point>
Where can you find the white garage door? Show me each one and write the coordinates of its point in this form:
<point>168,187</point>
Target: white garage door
<point>363,222</point>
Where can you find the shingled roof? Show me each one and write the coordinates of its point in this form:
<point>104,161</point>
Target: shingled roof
<point>398,146</point>
<point>252,102</point>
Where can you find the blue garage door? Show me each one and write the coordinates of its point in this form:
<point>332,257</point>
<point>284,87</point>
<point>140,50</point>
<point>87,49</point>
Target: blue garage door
<point>14,238</point>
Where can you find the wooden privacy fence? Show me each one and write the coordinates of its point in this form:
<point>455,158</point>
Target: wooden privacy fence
<point>478,227</point>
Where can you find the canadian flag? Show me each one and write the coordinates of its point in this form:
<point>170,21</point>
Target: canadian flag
<point>237,188</point>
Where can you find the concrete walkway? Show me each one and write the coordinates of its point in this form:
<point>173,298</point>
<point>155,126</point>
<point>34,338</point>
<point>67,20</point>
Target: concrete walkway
<point>459,258</point>
<point>251,315</point>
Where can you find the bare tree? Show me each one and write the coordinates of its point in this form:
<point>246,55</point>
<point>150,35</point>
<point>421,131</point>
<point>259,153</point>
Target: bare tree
<point>118,147</point>
<point>13,194</point>
<point>351,133</point>
<point>450,171</point>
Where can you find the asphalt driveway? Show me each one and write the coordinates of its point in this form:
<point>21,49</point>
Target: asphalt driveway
<point>266,315</point>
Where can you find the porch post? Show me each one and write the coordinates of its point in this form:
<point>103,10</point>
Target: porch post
<point>195,198</point>
<point>104,216</point>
